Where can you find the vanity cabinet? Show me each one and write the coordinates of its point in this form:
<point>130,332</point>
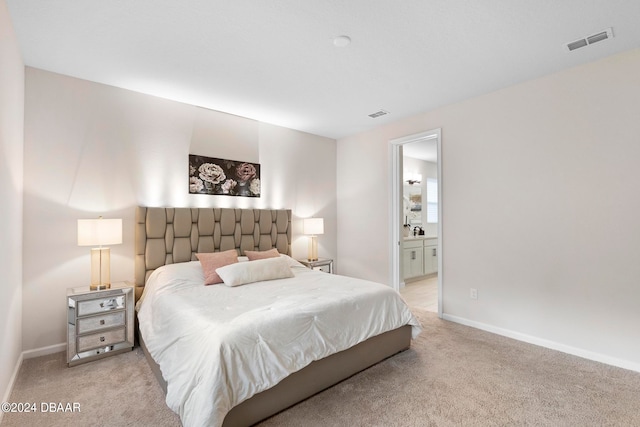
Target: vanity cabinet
<point>430,256</point>
<point>413,258</point>
<point>420,257</point>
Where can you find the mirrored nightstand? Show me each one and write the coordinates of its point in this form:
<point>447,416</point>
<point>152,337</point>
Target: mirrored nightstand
<point>99,323</point>
<point>322,264</point>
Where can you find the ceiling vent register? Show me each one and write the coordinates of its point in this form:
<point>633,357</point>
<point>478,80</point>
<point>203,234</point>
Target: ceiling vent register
<point>594,38</point>
<point>378,114</point>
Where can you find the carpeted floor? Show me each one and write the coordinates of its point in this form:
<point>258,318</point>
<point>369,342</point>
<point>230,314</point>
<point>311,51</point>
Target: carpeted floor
<point>115,391</point>
<point>452,375</point>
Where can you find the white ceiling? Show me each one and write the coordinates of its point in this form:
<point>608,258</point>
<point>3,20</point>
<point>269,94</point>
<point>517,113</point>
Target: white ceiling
<point>274,61</point>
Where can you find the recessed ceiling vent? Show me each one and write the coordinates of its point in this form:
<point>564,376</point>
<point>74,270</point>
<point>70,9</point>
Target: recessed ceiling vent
<point>378,114</point>
<point>593,38</point>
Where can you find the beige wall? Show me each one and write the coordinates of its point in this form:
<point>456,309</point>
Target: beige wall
<point>92,150</point>
<point>541,200</point>
<point>11,163</point>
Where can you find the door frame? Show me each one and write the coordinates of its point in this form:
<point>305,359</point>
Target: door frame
<point>396,214</point>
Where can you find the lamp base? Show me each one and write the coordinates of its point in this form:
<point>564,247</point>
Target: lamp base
<point>100,269</point>
<point>313,249</point>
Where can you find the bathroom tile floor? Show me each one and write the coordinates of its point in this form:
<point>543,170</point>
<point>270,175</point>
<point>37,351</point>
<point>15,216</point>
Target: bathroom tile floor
<point>422,293</point>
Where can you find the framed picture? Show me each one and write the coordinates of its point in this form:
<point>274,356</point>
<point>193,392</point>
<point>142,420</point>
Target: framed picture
<point>209,175</point>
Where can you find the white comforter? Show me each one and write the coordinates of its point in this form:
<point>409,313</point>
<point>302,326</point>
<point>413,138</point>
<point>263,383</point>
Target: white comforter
<point>218,346</point>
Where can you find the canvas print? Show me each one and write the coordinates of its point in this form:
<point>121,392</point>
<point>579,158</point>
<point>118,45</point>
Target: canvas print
<point>208,175</point>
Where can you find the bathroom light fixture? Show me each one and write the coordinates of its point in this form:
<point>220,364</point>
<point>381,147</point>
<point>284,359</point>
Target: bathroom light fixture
<point>413,178</point>
<point>92,232</point>
<point>312,227</point>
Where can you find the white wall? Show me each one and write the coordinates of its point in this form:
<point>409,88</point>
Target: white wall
<point>11,164</point>
<point>92,150</point>
<point>540,207</point>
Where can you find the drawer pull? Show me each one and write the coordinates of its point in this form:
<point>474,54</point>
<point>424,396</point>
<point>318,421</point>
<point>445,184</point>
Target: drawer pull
<point>101,339</point>
<point>102,321</point>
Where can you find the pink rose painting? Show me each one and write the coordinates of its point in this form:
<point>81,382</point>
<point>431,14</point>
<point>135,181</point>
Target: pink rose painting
<point>210,175</point>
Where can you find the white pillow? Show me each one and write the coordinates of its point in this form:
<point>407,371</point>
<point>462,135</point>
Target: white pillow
<point>292,262</point>
<point>242,273</point>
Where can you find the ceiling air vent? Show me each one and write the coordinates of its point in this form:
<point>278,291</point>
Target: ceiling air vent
<point>378,114</point>
<point>593,38</point>
<point>577,44</point>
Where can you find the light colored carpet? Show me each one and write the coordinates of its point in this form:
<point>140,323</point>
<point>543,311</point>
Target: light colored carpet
<point>115,391</point>
<point>453,375</point>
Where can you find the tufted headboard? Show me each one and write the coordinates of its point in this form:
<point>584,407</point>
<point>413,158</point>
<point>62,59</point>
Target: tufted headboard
<point>171,235</point>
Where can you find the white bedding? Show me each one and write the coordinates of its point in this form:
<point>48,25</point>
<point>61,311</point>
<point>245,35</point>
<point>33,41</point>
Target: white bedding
<point>218,346</point>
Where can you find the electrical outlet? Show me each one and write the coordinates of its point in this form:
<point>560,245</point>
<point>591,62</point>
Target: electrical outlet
<point>473,293</point>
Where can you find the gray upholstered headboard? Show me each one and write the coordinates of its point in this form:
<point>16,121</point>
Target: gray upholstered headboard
<point>170,235</point>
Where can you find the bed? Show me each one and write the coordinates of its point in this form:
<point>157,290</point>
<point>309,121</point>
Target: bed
<point>200,387</point>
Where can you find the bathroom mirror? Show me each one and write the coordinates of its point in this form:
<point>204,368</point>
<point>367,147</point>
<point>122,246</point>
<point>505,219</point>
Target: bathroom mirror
<point>412,199</point>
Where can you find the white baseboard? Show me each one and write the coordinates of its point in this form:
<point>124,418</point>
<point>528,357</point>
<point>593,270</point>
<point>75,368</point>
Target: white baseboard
<point>29,354</point>
<point>7,392</point>
<point>42,351</point>
<point>585,354</point>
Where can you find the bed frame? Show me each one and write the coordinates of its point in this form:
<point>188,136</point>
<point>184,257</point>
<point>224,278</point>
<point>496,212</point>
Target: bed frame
<point>171,235</point>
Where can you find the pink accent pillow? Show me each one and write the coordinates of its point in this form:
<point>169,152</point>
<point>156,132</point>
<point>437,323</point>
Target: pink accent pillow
<point>254,255</point>
<point>213,260</point>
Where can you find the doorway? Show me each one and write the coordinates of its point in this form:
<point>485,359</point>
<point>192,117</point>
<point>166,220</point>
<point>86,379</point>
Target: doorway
<point>422,215</point>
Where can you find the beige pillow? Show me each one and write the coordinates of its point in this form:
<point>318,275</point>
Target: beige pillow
<point>254,255</point>
<point>256,271</point>
<point>210,261</point>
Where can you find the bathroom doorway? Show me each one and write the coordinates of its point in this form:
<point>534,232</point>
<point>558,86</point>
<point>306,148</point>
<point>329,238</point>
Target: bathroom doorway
<point>416,219</point>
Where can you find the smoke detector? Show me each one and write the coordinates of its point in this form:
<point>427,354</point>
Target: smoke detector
<point>341,41</point>
<point>589,40</point>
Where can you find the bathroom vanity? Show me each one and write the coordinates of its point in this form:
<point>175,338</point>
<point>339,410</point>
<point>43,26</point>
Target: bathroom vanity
<point>420,256</point>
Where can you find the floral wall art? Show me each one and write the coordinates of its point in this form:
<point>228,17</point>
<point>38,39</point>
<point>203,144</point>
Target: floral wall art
<point>208,175</point>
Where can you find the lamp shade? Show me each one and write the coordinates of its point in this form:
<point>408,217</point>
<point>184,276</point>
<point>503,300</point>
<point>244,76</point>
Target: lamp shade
<point>92,232</point>
<point>313,226</point>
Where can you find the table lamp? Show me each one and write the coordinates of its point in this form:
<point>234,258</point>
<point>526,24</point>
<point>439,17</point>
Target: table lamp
<point>313,227</point>
<point>99,232</point>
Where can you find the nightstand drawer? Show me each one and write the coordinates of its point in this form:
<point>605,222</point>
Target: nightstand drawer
<point>104,339</point>
<point>100,305</point>
<point>96,323</point>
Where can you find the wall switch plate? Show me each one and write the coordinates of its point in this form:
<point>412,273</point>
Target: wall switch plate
<point>473,293</point>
